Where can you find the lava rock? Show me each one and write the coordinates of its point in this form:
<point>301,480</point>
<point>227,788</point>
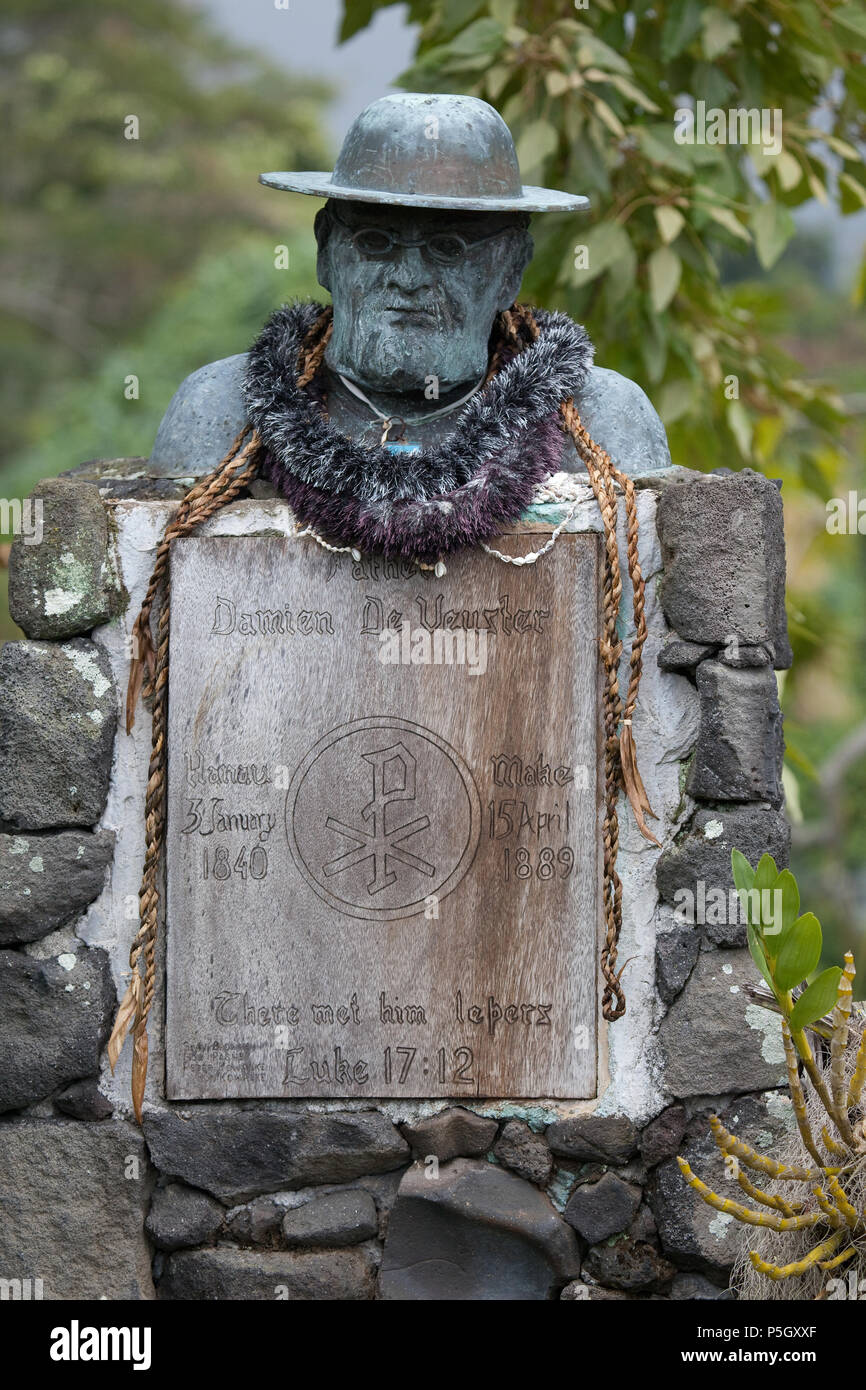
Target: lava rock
<point>180,1217</point>
<point>631,1266</point>
<point>260,1222</point>
<point>578,1292</point>
<point>383,1188</point>
<point>302,1275</point>
<point>689,1286</point>
<point>662,1137</point>
<point>48,879</point>
<point>739,750</point>
<point>236,1156</point>
<point>610,1139</point>
<point>453,1133</point>
<point>55,1016</point>
<point>337,1218</point>
<point>714,1039</point>
<point>676,953</point>
<point>676,655</point>
<point>74,1199</point>
<point>66,584</point>
<point>526,1153</point>
<point>693,1234</point>
<point>83,1100</point>
<point>58,713</point>
<point>723,547</point>
<point>700,864</point>
<point>644,1225</point>
<point>129,478</point>
<point>600,1209</point>
<point>742,657</point>
<point>474,1233</point>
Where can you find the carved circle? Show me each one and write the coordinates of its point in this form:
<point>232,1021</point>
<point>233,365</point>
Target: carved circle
<point>382,814</point>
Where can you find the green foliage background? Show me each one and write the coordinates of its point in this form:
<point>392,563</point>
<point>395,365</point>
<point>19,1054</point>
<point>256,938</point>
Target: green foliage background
<point>146,256</point>
<point>153,256</point>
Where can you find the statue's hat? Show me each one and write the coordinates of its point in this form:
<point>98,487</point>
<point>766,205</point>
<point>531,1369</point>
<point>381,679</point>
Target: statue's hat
<point>429,151</point>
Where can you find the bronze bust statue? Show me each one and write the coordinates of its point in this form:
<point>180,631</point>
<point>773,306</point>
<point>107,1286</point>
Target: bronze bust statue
<point>422,242</point>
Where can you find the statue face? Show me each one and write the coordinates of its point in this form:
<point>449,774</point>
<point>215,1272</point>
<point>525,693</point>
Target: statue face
<point>416,291</point>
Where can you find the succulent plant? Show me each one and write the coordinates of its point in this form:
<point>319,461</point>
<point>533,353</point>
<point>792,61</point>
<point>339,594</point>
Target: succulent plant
<point>825,1215</point>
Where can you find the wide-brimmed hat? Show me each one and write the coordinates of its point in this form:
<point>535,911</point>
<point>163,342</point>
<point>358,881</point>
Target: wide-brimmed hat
<point>429,151</point>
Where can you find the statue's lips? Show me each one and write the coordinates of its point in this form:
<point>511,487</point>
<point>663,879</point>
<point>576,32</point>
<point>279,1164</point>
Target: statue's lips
<point>411,311</point>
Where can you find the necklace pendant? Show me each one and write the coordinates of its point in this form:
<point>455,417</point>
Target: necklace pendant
<point>391,423</point>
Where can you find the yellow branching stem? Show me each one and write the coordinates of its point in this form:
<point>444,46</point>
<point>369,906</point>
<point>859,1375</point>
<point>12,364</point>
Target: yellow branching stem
<point>814,1257</point>
<point>838,1045</point>
<point>801,1042</point>
<point>833,1146</point>
<point>858,1079</point>
<point>730,1144</point>
<point>838,1259</point>
<point>797,1096</point>
<point>834,1216</point>
<point>849,1212</point>
<point>750,1218</point>
<point>767,1199</point>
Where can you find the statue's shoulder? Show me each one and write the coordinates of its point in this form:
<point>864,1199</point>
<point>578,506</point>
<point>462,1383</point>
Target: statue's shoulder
<point>621,418</point>
<point>204,415</point>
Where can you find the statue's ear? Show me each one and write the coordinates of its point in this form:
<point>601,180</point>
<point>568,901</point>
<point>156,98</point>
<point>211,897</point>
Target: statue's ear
<point>517,253</point>
<point>322,229</point>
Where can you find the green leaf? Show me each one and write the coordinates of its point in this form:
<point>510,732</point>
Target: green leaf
<point>766,872</point>
<point>757,952</point>
<point>670,222</point>
<point>853,194</point>
<point>356,16</point>
<point>675,399</point>
<point>455,16</point>
<point>728,219</point>
<point>634,93</point>
<point>744,874</point>
<point>720,33</point>
<point>485,36</point>
<point>788,171</point>
<point>664,269</point>
<point>783,904</point>
<point>594,52</point>
<point>682,22</point>
<point>605,245</point>
<point>557,83</point>
<point>659,146</point>
<point>817,1000</point>
<point>786,884</point>
<point>799,952</point>
<point>537,143</point>
<point>741,428</point>
<point>851,17</point>
<point>773,226</point>
<point>608,116</point>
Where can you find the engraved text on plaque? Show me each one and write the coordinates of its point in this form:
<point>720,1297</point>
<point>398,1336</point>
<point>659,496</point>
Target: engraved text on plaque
<point>383,863</point>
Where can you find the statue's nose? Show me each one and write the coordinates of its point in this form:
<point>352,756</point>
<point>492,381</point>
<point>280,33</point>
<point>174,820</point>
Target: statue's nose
<point>409,270</point>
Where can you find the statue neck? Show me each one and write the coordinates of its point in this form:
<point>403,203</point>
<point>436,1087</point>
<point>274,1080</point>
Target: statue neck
<point>352,416</point>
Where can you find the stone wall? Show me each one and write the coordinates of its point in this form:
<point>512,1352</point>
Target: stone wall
<point>363,1199</point>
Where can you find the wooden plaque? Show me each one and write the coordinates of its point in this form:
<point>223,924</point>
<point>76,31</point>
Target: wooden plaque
<point>383,853</point>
